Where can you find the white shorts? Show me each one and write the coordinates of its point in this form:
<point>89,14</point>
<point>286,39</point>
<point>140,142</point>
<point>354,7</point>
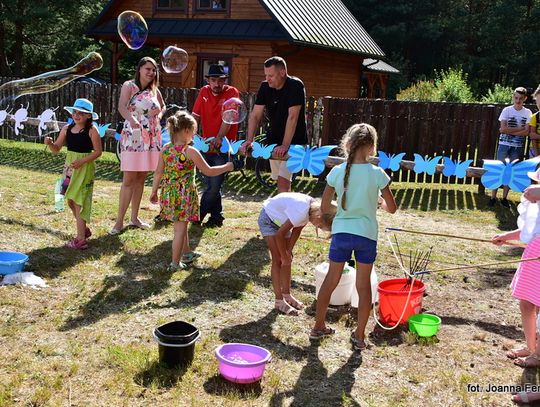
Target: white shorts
<point>279,169</point>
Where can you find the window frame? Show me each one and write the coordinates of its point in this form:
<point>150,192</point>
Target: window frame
<point>201,58</point>
<point>158,9</point>
<point>226,9</point>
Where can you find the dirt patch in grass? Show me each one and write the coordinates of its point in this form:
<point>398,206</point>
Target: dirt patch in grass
<point>87,338</point>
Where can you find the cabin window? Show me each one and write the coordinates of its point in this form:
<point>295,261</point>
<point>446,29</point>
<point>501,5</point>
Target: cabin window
<point>170,4</point>
<point>205,62</point>
<point>212,5</point>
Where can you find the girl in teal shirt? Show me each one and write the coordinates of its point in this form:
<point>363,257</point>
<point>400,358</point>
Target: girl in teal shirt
<point>358,185</point>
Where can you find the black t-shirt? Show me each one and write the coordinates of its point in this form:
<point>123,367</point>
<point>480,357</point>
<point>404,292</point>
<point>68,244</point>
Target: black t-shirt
<point>277,103</point>
<point>79,142</point>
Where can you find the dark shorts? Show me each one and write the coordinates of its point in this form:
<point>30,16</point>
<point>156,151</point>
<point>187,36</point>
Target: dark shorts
<point>344,244</point>
<point>512,153</point>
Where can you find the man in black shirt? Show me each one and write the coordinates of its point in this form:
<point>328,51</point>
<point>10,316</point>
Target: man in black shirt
<point>284,98</point>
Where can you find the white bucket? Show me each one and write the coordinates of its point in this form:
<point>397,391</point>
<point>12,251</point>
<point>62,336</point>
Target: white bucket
<point>342,293</point>
<point>374,291</point>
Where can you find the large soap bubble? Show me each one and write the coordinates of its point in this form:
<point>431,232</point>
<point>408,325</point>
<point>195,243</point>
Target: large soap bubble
<point>174,60</point>
<point>132,29</point>
<point>233,111</point>
<point>49,81</point>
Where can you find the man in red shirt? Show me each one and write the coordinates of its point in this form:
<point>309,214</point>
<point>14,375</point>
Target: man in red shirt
<point>207,111</point>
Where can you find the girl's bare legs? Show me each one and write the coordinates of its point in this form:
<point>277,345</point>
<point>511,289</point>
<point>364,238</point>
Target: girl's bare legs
<point>180,230</point>
<point>185,246</point>
<point>528,320</point>
<point>275,268</point>
<point>138,189</point>
<point>363,287</point>
<point>325,292</point>
<point>276,271</point>
<point>126,193</point>
<point>81,224</point>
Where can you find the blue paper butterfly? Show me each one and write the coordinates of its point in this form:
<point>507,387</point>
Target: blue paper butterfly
<point>308,158</point>
<point>512,174</point>
<point>458,169</point>
<point>260,150</point>
<point>200,144</point>
<point>429,166</point>
<point>165,137</point>
<point>391,161</point>
<point>102,128</point>
<point>228,147</point>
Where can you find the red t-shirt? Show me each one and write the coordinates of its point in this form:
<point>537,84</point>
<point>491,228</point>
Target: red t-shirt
<point>208,108</point>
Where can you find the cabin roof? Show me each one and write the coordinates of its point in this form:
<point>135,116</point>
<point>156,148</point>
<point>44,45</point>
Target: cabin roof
<point>376,65</point>
<point>324,24</point>
<point>312,23</point>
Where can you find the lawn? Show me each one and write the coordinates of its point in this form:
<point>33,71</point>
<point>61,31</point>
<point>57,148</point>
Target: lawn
<point>87,338</point>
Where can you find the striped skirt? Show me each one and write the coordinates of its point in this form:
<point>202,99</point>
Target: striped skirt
<point>526,282</point>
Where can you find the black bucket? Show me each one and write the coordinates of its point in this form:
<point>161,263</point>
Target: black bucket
<point>176,342</point>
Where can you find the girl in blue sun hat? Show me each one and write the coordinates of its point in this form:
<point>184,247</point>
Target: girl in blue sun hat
<point>83,148</point>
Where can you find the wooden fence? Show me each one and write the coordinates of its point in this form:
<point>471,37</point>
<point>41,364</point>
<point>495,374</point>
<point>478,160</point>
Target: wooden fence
<point>458,130</point>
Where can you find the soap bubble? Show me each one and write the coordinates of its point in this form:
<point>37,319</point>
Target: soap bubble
<point>132,29</point>
<point>49,81</point>
<point>174,60</point>
<point>233,111</point>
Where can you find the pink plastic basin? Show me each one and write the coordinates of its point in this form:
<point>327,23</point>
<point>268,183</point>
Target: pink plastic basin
<point>242,362</point>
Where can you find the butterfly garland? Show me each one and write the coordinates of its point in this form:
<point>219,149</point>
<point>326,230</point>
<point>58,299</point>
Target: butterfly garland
<point>102,128</point>
<point>230,147</point>
<point>262,151</point>
<point>390,161</point>
<point>511,174</point>
<point>455,168</point>
<point>308,158</point>
<point>429,166</point>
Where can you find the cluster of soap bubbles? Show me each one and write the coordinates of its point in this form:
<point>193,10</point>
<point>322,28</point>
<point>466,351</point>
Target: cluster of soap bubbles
<point>233,111</point>
<point>133,30</point>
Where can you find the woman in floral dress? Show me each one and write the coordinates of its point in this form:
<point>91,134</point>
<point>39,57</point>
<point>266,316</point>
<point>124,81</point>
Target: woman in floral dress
<point>142,106</point>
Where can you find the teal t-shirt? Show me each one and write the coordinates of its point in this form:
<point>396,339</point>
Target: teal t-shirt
<point>365,182</point>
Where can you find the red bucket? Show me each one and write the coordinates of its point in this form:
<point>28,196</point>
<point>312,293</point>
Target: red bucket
<point>393,298</point>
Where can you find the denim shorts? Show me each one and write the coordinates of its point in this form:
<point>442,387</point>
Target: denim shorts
<point>344,244</point>
<point>267,226</point>
<point>512,153</point>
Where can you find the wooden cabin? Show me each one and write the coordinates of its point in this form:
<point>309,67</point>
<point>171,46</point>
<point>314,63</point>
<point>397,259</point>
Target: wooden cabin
<point>323,44</point>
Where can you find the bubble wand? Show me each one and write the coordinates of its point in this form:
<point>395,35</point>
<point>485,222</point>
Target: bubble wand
<point>418,232</point>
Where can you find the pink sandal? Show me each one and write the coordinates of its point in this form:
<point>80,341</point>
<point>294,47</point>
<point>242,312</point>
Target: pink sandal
<point>77,244</point>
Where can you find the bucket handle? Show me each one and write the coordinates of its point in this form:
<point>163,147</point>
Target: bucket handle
<point>402,312</point>
<point>176,345</point>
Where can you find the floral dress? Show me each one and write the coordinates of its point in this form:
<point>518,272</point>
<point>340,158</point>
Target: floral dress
<point>140,148</point>
<point>179,198</point>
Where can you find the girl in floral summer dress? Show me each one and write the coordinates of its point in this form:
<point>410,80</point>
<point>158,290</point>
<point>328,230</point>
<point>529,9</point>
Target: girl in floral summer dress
<point>142,106</point>
<point>175,175</point>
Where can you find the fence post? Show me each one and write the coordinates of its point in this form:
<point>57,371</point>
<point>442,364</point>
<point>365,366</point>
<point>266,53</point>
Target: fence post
<point>326,121</point>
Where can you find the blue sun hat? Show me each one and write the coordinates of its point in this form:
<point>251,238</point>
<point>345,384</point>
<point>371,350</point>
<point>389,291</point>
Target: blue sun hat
<point>83,105</point>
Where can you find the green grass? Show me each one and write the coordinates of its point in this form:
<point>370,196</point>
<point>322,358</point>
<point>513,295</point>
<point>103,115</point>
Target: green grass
<point>87,338</point>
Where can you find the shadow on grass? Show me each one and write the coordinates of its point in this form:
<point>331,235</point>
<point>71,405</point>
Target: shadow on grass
<point>450,199</point>
<point>508,331</point>
<point>315,387</point>
<point>260,333</point>
<point>143,276</point>
<point>224,283</point>
<point>159,376</point>
<point>218,386</point>
<point>50,262</point>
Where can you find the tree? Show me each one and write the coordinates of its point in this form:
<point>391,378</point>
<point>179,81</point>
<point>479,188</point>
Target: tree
<point>40,36</point>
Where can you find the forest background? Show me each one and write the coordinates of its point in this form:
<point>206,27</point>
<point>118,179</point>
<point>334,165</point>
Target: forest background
<point>486,46</point>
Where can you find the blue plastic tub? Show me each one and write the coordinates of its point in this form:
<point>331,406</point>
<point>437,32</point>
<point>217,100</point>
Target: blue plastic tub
<point>12,262</point>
